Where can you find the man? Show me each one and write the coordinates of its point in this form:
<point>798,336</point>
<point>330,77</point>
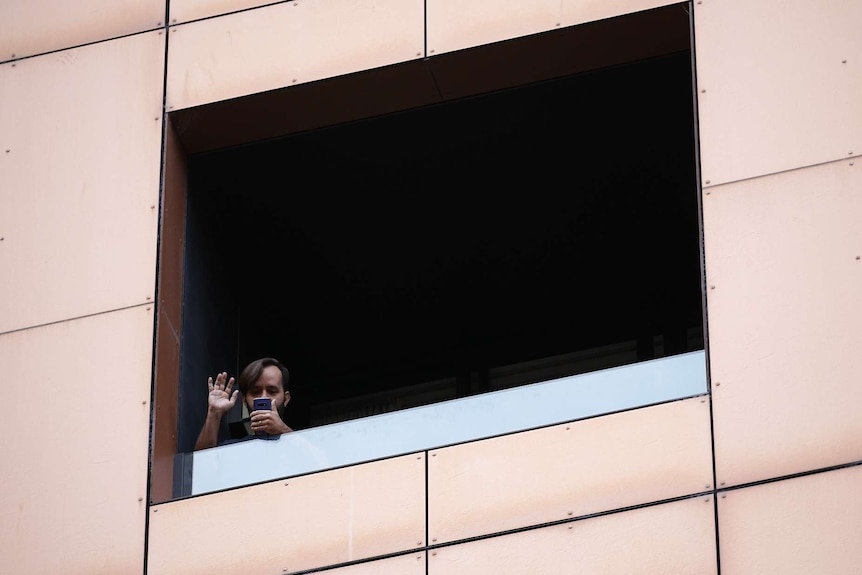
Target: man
<point>265,377</point>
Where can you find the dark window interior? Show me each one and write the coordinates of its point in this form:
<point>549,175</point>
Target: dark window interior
<point>409,258</point>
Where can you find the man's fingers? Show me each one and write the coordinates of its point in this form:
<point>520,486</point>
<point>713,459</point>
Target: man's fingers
<point>210,383</point>
<point>229,385</point>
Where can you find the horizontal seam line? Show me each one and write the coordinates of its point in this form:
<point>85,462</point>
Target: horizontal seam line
<point>557,523</point>
<point>64,320</point>
<point>100,41</point>
<point>788,170</point>
<point>790,476</point>
<point>249,9</point>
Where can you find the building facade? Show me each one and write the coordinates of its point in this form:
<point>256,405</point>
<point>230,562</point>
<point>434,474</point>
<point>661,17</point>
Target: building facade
<point>103,103</point>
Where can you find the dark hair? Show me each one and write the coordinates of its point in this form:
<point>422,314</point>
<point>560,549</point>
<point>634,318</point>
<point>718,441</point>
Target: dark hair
<point>252,372</point>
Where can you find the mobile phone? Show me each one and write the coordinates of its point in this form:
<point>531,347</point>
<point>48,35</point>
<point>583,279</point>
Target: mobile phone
<point>262,404</point>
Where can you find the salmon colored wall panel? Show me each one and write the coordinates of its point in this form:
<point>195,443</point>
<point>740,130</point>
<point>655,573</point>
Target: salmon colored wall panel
<point>31,27</point>
<point>549,474</point>
<point>75,429</point>
<point>580,11</point>
<point>799,526</point>
<point>186,10</point>
<point>410,564</point>
<point>321,519</point>
<point>286,44</point>
<point>79,180</point>
<point>676,538</point>
<point>457,24</point>
<point>785,310</point>
<point>779,85</point>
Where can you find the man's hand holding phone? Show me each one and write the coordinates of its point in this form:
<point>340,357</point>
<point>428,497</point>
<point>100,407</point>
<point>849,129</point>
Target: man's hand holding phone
<point>265,419</point>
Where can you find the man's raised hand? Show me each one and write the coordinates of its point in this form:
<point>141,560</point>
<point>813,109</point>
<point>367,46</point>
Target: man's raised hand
<point>220,397</point>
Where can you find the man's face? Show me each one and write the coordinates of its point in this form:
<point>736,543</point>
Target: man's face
<point>268,385</point>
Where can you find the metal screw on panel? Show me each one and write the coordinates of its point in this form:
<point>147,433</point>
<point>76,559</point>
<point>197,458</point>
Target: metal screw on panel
<point>7,151</point>
<point>418,53</point>
<point>703,401</point>
<point>155,510</point>
<point>857,257</point>
<point>432,51</point>
<point>570,513</point>
<point>722,483</point>
<point>434,540</point>
<point>434,553</point>
<point>706,500</point>
<point>149,308</point>
<point>174,20</point>
<point>850,153</point>
<point>567,428</point>
<point>843,61</point>
<point>433,455</point>
<point>160,32</point>
<point>558,23</point>
<point>418,543</point>
<point>717,383</point>
<point>706,486</point>
<point>707,181</point>
<point>711,287</point>
<point>703,91</point>
<point>286,484</point>
<point>140,499</point>
<point>143,403</point>
<point>723,496</point>
<point>570,526</point>
<point>294,80</point>
<point>158,23</point>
